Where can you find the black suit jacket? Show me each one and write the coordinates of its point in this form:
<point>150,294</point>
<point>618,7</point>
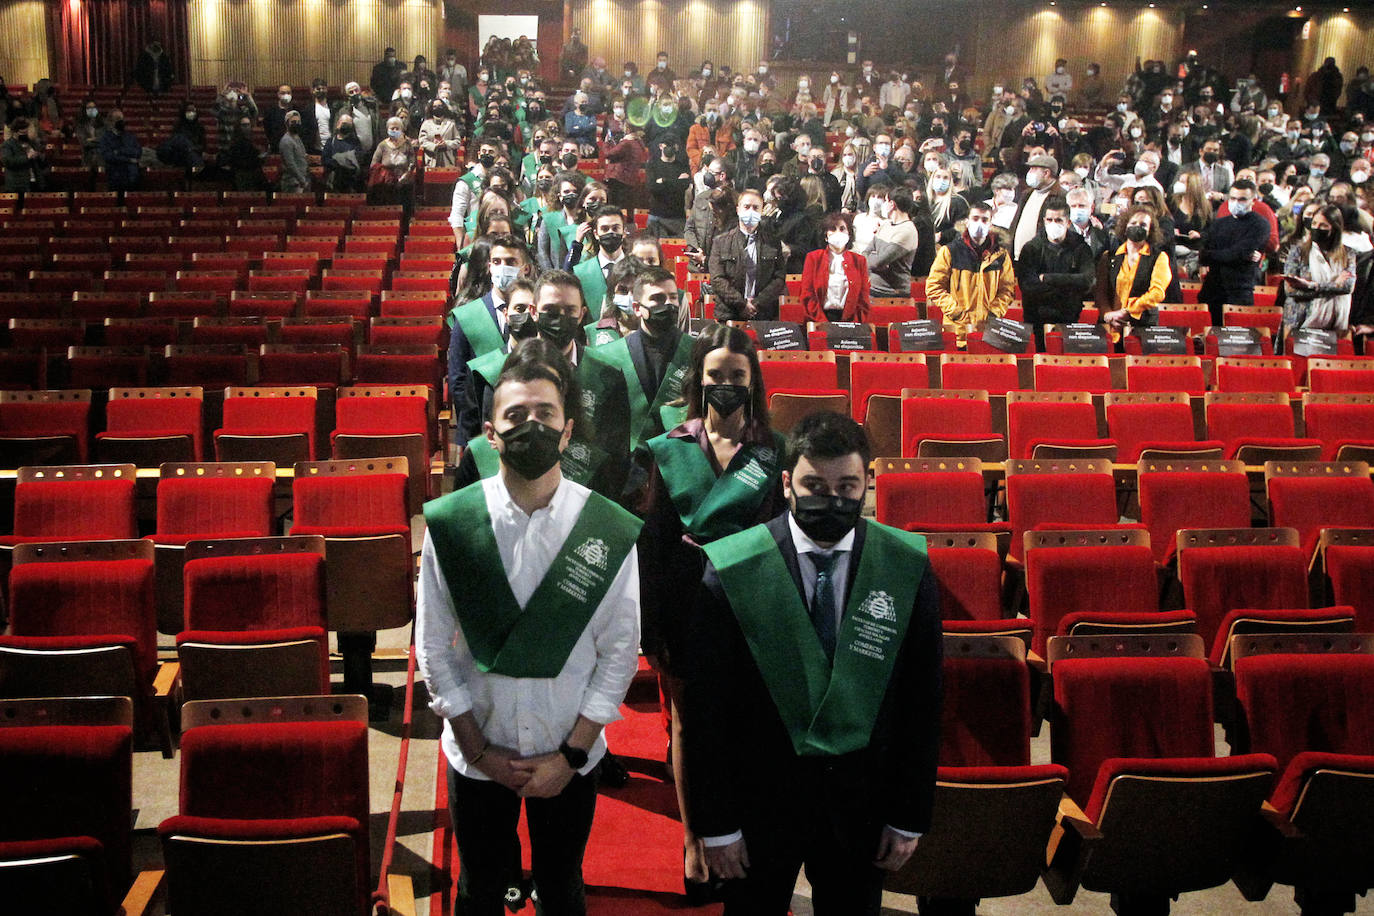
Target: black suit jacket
<point>745,773</point>
<point>460,353</point>
<point>727,276</point>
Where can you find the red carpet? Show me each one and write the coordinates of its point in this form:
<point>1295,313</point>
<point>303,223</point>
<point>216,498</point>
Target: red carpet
<point>633,865</point>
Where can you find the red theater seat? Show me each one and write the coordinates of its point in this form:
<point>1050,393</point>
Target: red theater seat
<point>1225,569</point>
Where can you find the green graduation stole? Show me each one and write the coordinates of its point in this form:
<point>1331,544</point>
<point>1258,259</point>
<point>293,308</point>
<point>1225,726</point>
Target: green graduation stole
<point>713,507</point>
<point>598,336</point>
<point>828,710</point>
<point>488,365</point>
<point>649,419</point>
<point>536,640</point>
<point>482,333</point>
<point>472,180</point>
<point>578,462</point>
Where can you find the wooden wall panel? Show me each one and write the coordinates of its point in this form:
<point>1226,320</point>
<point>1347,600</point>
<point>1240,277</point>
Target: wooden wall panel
<point>732,33</point>
<point>266,42</point>
<point>23,42</point>
<point>1027,42</point>
<point>1348,37</point>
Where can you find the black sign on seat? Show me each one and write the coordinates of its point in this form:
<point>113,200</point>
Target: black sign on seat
<point>1084,338</point>
<point>1314,342</point>
<point>922,336</point>
<point>1163,340</point>
<point>847,335</point>
<point>698,327</point>
<point>779,335</point>
<point>1237,341</point>
<point>1007,335</point>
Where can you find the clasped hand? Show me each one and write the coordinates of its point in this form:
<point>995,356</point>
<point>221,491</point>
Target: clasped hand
<point>542,776</point>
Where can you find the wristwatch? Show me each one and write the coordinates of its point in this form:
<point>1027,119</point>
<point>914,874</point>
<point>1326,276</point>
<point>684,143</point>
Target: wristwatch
<point>576,757</point>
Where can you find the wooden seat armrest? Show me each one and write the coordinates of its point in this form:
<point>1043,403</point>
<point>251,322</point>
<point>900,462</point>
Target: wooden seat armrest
<point>147,888</point>
<point>1067,852</point>
<point>165,681</point>
<point>1276,819</point>
<point>1036,663</point>
<point>402,893</point>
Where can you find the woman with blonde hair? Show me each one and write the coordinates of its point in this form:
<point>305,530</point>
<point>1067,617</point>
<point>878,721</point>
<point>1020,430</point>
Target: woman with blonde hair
<point>1192,214</point>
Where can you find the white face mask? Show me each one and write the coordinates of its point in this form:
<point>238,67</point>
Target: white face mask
<point>848,160</point>
<point>1142,169</point>
<point>834,80</point>
<point>1359,177</point>
<point>1055,232</point>
<point>1009,110</point>
<point>405,94</point>
<point>1135,133</point>
<point>706,72</point>
<point>1004,196</point>
<point>838,240</point>
<point>977,230</point>
<point>1180,187</point>
<point>624,302</point>
<point>881,150</point>
<point>1082,172</point>
<point>1034,178</point>
<point>749,218</point>
<point>875,205</point>
<point>751,146</point>
<point>503,275</point>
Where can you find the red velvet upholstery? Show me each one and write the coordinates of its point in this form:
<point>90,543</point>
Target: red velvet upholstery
<point>269,416</point>
<point>1341,380</point>
<point>208,370</point>
<point>1080,500</point>
<point>1254,378</point>
<point>1096,379</point>
<point>1128,707</point>
<point>1339,424</point>
<point>1134,426</point>
<point>396,369</point>
<point>383,416</point>
<point>1309,702</point>
<point>365,503</point>
<point>25,419</point>
<point>194,509</point>
<point>1200,767</point>
<point>1310,504</point>
<point>73,510</point>
<point>994,378</point>
<point>1301,768</point>
<point>943,418</point>
<point>1190,379</point>
<point>1171,501</point>
<point>867,378</point>
<point>323,370</point>
<point>970,583</point>
<point>1238,621</point>
<point>1240,424</point>
<point>85,598</point>
<point>279,771</point>
<point>1132,621</point>
<point>1218,579</point>
<point>114,371</point>
<point>1062,580</point>
<point>985,717</point>
<point>1031,422</point>
<point>795,375</point>
<point>938,497</point>
<point>69,782</point>
<point>254,637</point>
<point>1352,582</point>
<point>255,592</point>
<point>145,417</point>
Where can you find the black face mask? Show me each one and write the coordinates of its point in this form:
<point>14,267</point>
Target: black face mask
<point>767,170</point>
<point>826,519</point>
<point>568,201</point>
<point>535,111</point>
<point>543,184</point>
<point>1322,237</point>
<point>710,181</point>
<point>662,319</point>
<point>1210,158</point>
<point>592,208</point>
<point>557,328</point>
<point>1267,188</point>
<point>531,448</point>
<point>569,160</point>
<point>487,160</point>
<point>610,241</point>
<point>726,399</point>
<point>1136,233</point>
<point>521,325</point>
<point>546,160</point>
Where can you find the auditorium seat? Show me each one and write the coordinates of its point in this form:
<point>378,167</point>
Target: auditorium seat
<point>1063,493</point>
<point>1347,559</point>
<point>1054,424</point>
<point>44,427</point>
<point>65,840</point>
<point>1255,374</point>
<point>1225,569</point>
<point>1166,373</point>
<point>274,808</point>
<point>73,503</point>
<point>148,426</point>
<point>930,494</point>
<point>1257,427</point>
<point>53,333</point>
<point>799,371</point>
<point>1072,373</point>
<point>1121,623</point>
<point>1161,815</point>
<point>101,368</point>
<point>1155,424</point>
<point>211,367</point>
<point>885,374</point>
<point>1343,422</point>
<point>378,421</point>
<point>1105,571</point>
<point>1175,495</point>
<point>316,365</point>
<point>268,424</point>
<point>255,618</point>
<point>1340,375</point>
<point>392,364</point>
<point>408,331</point>
<point>1313,495</point>
<point>968,566</point>
<point>995,373</point>
<point>251,331</point>
<point>949,421</point>
<point>1242,622</point>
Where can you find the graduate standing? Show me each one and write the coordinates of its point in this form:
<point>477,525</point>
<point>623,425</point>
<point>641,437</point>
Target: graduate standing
<point>527,628</point>
<point>812,695</point>
<point>715,474</point>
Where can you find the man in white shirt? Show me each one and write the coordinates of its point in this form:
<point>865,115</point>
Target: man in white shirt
<point>527,634</point>
<point>1042,179</point>
<point>324,118</point>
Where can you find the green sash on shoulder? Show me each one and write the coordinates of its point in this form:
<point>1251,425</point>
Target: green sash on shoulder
<point>579,462</point>
<point>480,328</point>
<point>648,419</point>
<point>536,640</point>
<point>489,365</point>
<point>713,507</point>
<point>827,709</point>
<point>487,458</point>
<point>598,336</point>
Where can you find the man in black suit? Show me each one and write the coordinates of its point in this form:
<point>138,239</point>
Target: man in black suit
<point>479,327</point>
<point>748,272</point>
<point>811,713</point>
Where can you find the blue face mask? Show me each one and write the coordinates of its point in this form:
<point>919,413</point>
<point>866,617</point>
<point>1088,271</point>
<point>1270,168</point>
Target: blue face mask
<point>1080,215</point>
<point>750,218</point>
<point>1239,208</point>
<point>940,185</point>
<point>625,302</point>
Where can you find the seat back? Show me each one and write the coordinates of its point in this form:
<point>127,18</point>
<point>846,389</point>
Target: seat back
<point>55,414</point>
<point>1338,419</point>
<point>1149,420</point>
<point>985,718</point>
<point>798,370</point>
<point>1054,372</point>
<point>255,583</point>
<point>1340,375</point>
<point>1243,622</point>
<point>156,412</point>
<point>343,498</point>
<point>991,372</point>
<point>1348,555</point>
<point>1165,373</point>
<point>1071,571</point>
<point>1312,495</point>
<point>1235,417</point>
<point>1060,416</point>
<point>1254,374</point>
<point>968,567</point>
<point>1175,495</point>
<point>214,500</point>
<point>287,411</point>
<point>1040,493</point>
<point>1224,569</point>
<point>933,491</point>
<point>75,503</point>
<point>883,373</point>
<point>943,413</point>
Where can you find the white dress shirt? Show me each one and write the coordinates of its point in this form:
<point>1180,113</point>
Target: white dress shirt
<point>532,716</point>
<point>837,284</point>
<point>322,118</point>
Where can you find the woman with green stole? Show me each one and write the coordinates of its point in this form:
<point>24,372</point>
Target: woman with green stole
<point>542,202</point>
<point>550,248</point>
<point>716,474</point>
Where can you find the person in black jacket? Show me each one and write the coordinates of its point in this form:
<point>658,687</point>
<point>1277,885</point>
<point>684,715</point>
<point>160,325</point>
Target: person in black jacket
<point>668,176</point>
<point>795,226</point>
<point>1231,251</point>
<point>1056,271</point>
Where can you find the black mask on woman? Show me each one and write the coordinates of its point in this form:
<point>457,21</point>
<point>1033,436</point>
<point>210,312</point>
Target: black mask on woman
<point>826,519</point>
<point>726,399</point>
<point>1136,233</point>
<point>568,200</point>
<point>1322,237</point>
<point>531,448</point>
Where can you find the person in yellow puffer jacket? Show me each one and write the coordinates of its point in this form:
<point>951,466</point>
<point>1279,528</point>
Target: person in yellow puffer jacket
<point>972,278</point>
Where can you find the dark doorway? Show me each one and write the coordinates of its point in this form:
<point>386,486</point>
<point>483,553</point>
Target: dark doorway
<point>1275,42</point>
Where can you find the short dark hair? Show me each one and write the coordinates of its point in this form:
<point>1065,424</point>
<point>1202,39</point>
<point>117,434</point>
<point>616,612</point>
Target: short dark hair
<point>1244,184</point>
<point>512,241</point>
<point>556,277</point>
<point>718,337</point>
<point>835,220</point>
<point>651,276</point>
<point>608,210</point>
<point>535,359</point>
<point>901,199</point>
<point>1058,203</point>
<point>826,435</point>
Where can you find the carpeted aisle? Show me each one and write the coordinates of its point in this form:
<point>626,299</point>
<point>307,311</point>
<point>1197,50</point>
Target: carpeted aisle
<point>633,865</point>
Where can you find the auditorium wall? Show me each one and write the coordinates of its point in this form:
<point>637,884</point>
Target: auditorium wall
<point>1348,37</point>
<point>734,33</point>
<point>23,41</point>
<point>265,42</point>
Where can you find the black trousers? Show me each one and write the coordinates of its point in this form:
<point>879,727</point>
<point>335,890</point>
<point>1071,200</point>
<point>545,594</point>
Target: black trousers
<point>485,815</point>
<point>844,880</point>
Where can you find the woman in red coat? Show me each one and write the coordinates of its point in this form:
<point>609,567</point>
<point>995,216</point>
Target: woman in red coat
<point>835,279</point>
